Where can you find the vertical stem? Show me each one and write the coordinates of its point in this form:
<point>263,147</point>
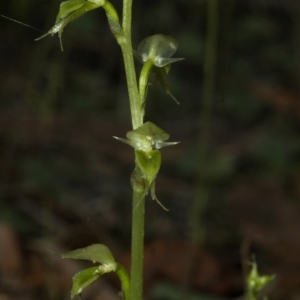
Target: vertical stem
<point>134,98</point>
<point>296,15</point>
<point>138,197</point>
<point>209,69</point>
<point>126,46</point>
<point>137,245</point>
<point>226,44</point>
<point>201,193</point>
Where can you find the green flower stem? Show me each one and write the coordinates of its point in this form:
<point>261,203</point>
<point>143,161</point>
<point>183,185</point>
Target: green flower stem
<point>137,245</point>
<point>134,97</point>
<point>124,278</point>
<point>113,21</point>
<point>143,82</point>
<point>126,46</point>
<point>138,198</point>
<point>111,11</point>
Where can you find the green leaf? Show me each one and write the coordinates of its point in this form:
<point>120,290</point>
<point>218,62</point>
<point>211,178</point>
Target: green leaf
<point>96,253</point>
<point>84,279</point>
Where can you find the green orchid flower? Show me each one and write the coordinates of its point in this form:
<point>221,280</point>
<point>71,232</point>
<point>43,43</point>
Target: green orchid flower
<point>257,284</point>
<point>155,52</point>
<point>146,140</point>
<point>69,11</point>
<point>147,137</point>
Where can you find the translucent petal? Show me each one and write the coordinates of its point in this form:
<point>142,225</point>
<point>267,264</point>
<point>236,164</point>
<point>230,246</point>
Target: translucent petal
<point>156,46</point>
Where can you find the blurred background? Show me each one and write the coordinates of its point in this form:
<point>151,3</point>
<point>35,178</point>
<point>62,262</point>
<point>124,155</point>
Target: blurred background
<point>232,185</point>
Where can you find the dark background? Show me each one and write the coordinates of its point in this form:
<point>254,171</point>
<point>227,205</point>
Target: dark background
<point>64,181</point>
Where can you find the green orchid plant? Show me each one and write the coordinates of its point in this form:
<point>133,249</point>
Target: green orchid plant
<point>155,53</point>
<point>73,9</point>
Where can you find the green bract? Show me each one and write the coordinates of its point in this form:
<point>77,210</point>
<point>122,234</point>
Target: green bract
<point>147,137</point>
<point>155,53</point>
<point>147,165</point>
<point>69,11</point>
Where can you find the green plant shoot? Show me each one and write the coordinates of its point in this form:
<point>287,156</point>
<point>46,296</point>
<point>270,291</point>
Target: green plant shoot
<point>146,138</point>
